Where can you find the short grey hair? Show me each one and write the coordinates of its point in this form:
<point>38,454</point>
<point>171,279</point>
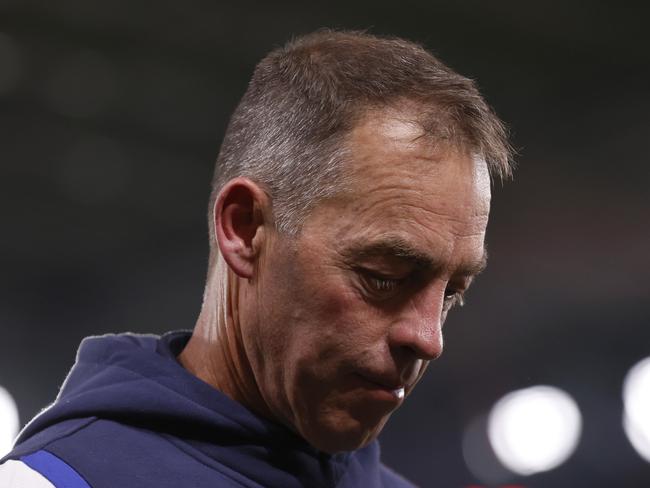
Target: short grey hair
<point>287,133</point>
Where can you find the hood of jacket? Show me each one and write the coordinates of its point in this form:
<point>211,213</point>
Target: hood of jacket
<point>135,380</point>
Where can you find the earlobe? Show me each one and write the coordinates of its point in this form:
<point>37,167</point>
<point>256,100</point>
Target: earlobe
<point>239,214</point>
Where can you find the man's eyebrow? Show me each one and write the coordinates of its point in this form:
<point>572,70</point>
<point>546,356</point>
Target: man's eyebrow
<point>400,248</point>
<point>394,247</point>
<point>476,268</point>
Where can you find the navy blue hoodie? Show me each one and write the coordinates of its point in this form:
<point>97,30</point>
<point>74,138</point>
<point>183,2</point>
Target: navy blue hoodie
<point>129,415</point>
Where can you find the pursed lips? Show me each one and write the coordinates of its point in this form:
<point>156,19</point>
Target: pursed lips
<point>388,382</point>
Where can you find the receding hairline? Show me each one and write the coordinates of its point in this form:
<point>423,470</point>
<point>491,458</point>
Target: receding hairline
<point>315,86</point>
<point>411,119</point>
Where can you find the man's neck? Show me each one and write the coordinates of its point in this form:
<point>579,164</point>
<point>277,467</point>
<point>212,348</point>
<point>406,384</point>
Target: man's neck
<point>215,353</point>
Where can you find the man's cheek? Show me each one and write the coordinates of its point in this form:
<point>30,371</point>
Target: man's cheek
<point>333,300</point>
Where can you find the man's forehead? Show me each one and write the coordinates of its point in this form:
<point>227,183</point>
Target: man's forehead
<point>391,125</point>
<point>396,126</point>
<point>383,138</point>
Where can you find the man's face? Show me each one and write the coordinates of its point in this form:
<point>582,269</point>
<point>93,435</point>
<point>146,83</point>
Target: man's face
<point>348,314</point>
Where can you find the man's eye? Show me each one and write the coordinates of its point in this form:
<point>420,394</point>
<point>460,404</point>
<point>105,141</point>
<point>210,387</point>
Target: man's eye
<point>383,285</point>
<point>452,298</point>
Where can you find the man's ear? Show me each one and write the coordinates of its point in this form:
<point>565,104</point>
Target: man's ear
<point>241,211</point>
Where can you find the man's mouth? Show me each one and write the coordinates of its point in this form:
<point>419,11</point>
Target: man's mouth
<point>389,387</point>
<point>399,393</point>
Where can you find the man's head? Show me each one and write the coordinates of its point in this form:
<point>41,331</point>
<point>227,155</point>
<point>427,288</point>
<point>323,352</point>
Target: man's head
<point>288,131</point>
<point>350,202</point>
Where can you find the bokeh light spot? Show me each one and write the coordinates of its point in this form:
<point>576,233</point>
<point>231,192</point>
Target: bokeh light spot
<point>9,421</point>
<point>535,429</point>
<point>636,400</point>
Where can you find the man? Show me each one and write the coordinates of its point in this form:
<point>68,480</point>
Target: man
<point>348,216</point>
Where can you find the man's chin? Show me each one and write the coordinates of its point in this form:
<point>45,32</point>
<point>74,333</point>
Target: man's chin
<point>342,434</point>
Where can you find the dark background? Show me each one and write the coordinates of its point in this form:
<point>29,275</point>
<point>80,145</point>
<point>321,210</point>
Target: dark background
<point>111,115</point>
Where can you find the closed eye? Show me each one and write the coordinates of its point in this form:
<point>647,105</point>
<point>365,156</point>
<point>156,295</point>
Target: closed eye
<point>379,285</point>
<point>383,284</point>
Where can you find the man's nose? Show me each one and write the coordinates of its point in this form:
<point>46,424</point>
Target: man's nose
<point>419,327</point>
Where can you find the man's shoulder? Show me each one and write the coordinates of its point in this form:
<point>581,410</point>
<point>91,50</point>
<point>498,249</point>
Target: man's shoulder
<point>40,469</point>
<point>109,453</point>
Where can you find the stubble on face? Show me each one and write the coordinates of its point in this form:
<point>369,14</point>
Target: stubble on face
<point>328,339</point>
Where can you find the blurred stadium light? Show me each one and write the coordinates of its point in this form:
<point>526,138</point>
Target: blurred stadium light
<point>8,421</point>
<point>535,429</point>
<point>636,400</point>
